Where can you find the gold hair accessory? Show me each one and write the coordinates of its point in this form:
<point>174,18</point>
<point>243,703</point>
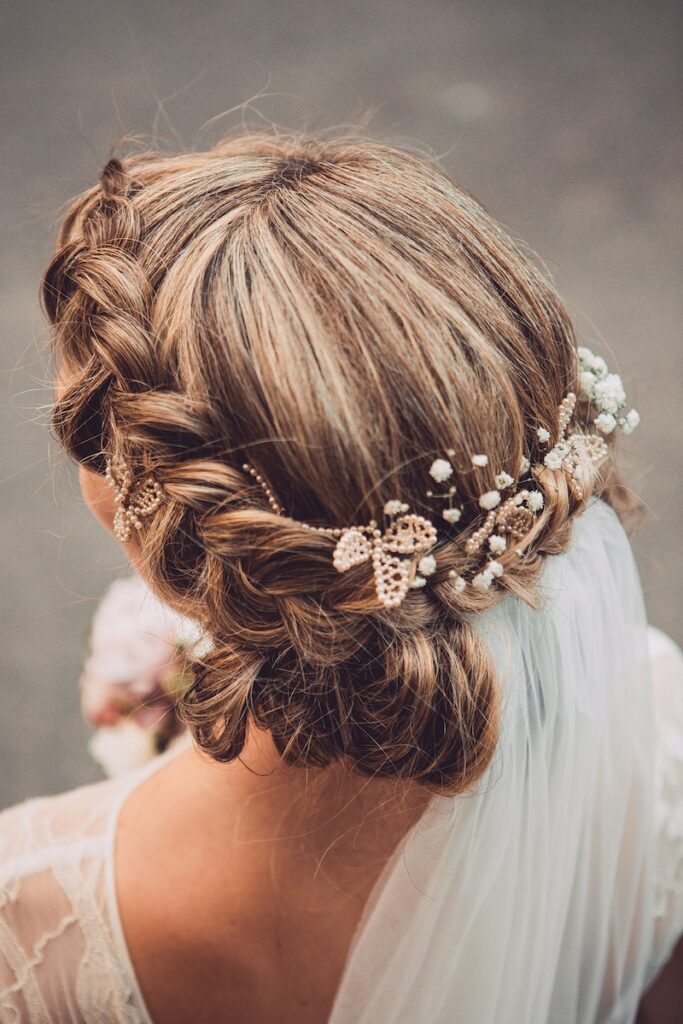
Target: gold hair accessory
<point>135,501</point>
<point>509,518</point>
<point>407,534</point>
<point>399,554</point>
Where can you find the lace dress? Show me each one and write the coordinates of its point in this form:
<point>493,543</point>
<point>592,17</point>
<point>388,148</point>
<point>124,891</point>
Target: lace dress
<point>553,893</point>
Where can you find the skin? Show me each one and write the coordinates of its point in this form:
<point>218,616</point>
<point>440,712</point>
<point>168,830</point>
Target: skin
<point>240,886</point>
<point>251,916</point>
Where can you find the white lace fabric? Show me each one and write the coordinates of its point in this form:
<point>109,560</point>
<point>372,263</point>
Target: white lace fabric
<point>552,893</point>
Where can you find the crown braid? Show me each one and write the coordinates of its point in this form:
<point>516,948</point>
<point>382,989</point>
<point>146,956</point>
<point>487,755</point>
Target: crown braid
<point>271,301</point>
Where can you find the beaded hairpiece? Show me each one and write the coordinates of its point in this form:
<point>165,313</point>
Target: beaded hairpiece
<point>509,519</point>
<point>135,501</point>
<point>399,553</point>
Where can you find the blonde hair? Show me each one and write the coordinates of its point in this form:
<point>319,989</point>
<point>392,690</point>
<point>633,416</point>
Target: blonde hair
<point>336,312</point>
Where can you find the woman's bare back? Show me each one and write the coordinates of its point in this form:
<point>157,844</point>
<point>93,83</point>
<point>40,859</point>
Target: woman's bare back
<point>240,891</point>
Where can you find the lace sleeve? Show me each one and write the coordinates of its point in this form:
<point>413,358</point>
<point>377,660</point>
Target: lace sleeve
<point>57,961</point>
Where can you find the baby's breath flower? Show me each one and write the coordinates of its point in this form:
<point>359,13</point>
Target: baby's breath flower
<point>440,470</point>
<point>535,501</point>
<point>630,421</point>
<point>525,466</point>
<point>392,508</point>
<point>452,515</point>
<point>599,367</point>
<point>489,500</point>
<point>418,581</point>
<point>605,422</point>
<point>554,459</point>
<point>504,480</point>
<point>480,460</point>
<point>543,435</point>
<point>427,565</point>
<point>587,382</point>
<point>494,567</point>
<point>483,580</point>
<point>609,394</point>
<point>497,544</point>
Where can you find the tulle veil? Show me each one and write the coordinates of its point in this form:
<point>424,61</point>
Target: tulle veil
<point>534,898</point>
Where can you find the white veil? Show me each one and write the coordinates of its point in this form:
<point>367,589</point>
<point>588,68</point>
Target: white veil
<point>534,898</point>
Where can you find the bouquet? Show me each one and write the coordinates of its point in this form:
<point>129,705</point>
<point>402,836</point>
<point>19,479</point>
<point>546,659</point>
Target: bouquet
<point>139,664</point>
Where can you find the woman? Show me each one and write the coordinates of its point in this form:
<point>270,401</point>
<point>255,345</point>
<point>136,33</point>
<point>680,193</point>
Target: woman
<point>332,413</point>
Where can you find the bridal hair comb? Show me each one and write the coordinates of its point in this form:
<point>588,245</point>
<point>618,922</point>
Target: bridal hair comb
<point>407,534</point>
<point>135,501</point>
<point>400,552</point>
<point>509,519</point>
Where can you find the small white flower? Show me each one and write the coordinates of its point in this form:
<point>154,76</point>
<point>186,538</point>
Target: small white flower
<point>418,581</point>
<point>489,500</point>
<point>525,466</point>
<point>480,460</point>
<point>450,452</point>
<point>452,515</point>
<point>497,544</point>
<point>504,480</point>
<point>494,567</point>
<point>427,565</point>
<point>458,580</point>
<point>440,470</point>
<point>483,580</point>
<point>392,508</point>
<point>630,421</point>
<point>605,422</point>
<point>535,501</point>
<point>543,435</point>
<point>404,506</point>
<point>590,363</point>
<point>609,394</point>
<point>555,458</point>
<point>599,367</point>
<point>586,384</point>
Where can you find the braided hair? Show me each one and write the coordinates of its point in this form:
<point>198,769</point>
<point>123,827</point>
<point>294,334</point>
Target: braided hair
<point>334,311</point>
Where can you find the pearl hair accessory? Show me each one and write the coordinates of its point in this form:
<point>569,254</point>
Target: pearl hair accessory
<point>407,534</point>
<point>509,520</point>
<point>135,501</point>
<point>400,553</point>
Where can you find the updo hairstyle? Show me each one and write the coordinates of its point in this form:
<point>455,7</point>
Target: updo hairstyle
<point>337,312</point>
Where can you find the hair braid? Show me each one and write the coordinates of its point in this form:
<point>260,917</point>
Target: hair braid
<point>271,300</point>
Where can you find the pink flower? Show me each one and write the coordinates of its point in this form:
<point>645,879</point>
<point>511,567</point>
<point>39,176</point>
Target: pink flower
<point>137,663</point>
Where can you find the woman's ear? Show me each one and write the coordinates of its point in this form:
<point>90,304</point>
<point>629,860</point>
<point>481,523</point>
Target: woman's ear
<point>98,496</point>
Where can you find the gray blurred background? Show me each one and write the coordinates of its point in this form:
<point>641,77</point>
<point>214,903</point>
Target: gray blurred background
<point>562,118</point>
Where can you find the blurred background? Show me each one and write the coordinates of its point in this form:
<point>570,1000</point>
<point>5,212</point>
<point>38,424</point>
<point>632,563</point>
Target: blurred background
<point>564,119</point>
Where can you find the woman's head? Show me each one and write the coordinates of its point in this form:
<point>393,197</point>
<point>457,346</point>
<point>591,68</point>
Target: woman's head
<point>337,314</point>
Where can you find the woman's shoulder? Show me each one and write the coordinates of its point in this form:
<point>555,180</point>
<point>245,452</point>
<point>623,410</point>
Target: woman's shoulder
<point>72,826</point>
<point>60,954</point>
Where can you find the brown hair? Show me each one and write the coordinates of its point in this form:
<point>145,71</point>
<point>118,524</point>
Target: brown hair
<point>337,312</point>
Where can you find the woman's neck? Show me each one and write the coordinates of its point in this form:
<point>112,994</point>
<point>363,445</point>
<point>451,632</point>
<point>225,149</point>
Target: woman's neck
<point>321,811</point>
